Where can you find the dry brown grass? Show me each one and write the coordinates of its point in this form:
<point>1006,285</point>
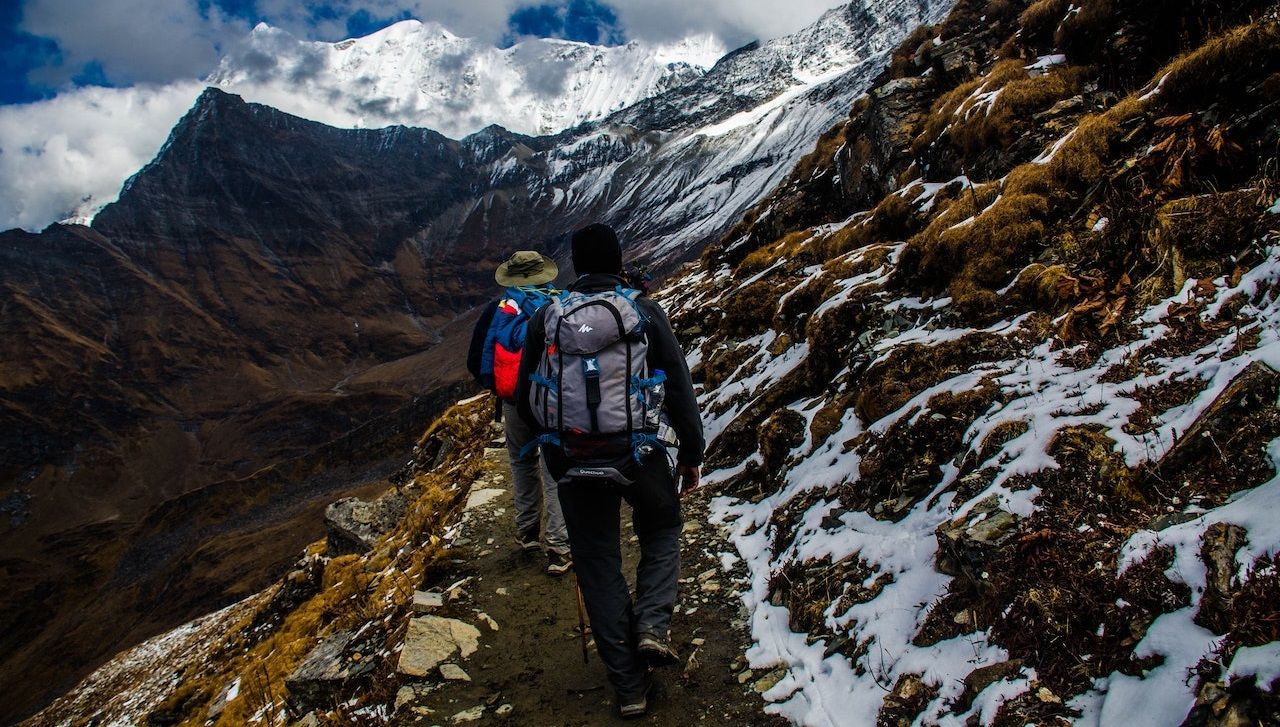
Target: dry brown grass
<point>823,154</point>
<point>1227,66</point>
<point>892,220</point>
<point>902,62</point>
<point>356,588</point>
<point>1040,21</point>
<point>974,258</point>
<point>787,247</point>
<point>955,103</point>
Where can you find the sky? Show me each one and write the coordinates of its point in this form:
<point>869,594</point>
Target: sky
<point>90,89</point>
<point>52,46</point>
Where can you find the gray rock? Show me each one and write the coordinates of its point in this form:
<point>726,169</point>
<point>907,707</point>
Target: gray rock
<point>317,681</point>
<point>965,544</point>
<point>985,676</point>
<point>469,715</point>
<point>404,697</point>
<point>453,673</point>
<point>431,640</point>
<point>1218,551</point>
<point>427,601</point>
<point>355,525</point>
<point>770,680</point>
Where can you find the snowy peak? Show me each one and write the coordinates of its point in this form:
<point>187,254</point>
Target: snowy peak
<point>420,74</point>
<point>841,40</point>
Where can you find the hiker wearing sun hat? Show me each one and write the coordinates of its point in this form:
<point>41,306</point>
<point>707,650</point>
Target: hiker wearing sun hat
<point>494,360</point>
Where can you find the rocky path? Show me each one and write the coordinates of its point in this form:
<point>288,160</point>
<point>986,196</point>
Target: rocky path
<point>527,666</point>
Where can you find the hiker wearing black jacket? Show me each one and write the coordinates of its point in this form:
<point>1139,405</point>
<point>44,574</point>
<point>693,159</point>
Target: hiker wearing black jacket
<point>629,636</point>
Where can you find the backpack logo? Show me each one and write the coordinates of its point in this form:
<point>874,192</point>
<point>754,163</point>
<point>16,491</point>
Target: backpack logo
<point>584,328</point>
<point>591,365</point>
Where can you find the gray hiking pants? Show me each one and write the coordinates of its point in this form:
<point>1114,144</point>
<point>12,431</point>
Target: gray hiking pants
<point>537,502</point>
<point>591,510</point>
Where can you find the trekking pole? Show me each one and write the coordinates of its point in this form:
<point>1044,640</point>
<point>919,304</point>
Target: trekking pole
<point>582,617</point>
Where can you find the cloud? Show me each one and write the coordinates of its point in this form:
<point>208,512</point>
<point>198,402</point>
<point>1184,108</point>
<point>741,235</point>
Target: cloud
<point>547,76</point>
<point>69,155</point>
<point>733,22</point>
<point>328,20</point>
<point>132,41</point>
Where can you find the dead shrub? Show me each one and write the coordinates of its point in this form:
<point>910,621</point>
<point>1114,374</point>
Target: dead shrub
<point>781,433</point>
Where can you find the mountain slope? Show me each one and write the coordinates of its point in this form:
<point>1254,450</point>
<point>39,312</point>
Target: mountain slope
<point>991,378</point>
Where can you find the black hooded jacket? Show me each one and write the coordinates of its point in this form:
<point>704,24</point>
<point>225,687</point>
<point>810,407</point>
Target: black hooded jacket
<point>664,353</point>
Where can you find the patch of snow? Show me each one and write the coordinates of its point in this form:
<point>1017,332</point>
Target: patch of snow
<point>1260,661</point>
<point>1048,61</point>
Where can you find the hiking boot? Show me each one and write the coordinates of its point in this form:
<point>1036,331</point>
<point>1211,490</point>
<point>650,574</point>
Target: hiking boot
<point>529,541</point>
<point>558,563</point>
<point>636,705</point>
<point>656,649</point>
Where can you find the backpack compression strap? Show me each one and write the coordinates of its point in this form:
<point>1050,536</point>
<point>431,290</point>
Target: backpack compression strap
<point>591,374</point>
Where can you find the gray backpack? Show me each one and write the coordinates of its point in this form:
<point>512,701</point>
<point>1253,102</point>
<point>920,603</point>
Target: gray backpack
<point>592,393</point>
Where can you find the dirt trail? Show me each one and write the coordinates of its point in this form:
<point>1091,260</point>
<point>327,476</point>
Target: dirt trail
<point>533,661</point>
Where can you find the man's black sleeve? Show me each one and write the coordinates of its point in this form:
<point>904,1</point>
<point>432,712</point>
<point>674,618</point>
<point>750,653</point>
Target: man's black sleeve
<point>681,403</point>
<point>534,343</point>
<point>476,351</point>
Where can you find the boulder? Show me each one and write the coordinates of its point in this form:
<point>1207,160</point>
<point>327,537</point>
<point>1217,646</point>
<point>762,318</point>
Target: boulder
<point>967,543</point>
<point>431,640</point>
<point>468,715</point>
<point>355,525</point>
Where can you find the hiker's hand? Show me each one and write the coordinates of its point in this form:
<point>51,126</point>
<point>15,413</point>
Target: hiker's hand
<point>689,477</point>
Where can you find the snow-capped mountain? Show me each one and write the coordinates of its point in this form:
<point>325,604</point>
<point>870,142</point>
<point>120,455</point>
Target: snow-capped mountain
<point>677,170</point>
<point>419,74</point>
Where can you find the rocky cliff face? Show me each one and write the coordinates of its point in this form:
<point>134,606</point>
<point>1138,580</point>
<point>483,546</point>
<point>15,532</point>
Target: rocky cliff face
<point>272,305</point>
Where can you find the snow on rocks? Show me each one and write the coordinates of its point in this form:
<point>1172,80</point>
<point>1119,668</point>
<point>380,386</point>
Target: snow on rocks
<point>866,648</point>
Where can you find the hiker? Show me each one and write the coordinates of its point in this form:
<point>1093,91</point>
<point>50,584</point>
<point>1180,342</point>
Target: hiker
<point>494,360</point>
<point>604,413</point>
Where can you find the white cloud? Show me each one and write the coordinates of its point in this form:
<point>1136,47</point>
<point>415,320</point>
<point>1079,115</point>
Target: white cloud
<point>70,154</point>
<point>734,22</point>
<point>135,41</point>
<point>482,19</point>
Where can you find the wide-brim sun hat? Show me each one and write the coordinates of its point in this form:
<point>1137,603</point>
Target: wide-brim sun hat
<point>526,267</point>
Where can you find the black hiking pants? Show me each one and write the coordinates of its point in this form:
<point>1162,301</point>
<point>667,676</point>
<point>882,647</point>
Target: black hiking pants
<point>591,512</point>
